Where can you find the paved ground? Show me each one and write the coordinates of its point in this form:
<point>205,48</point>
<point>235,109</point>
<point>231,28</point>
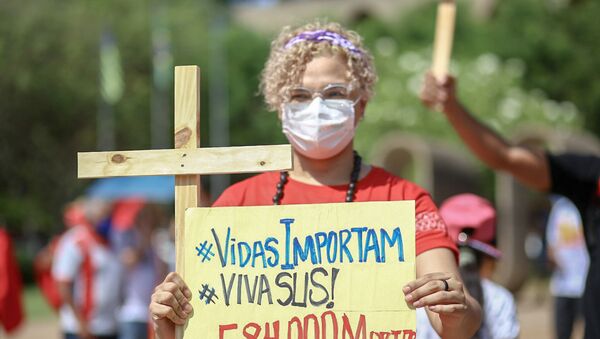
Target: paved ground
<point>39,329</point>
<point>535,312</point>
<point>534,303</point>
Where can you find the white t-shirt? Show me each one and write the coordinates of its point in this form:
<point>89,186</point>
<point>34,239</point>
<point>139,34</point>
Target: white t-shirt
<point>103,274</point>
<point>565,238</point>
<point>499,312</point>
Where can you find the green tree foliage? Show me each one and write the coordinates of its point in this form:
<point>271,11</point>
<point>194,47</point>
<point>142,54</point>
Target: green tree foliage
<point>49,95</point>
<point>49,88</point>
<point>558,47</point>
<point>502,66</point>
<point>49,82</point>
<point>250,122</point>
<point>492,89</point>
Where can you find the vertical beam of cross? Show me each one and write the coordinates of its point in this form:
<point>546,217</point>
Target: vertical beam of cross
<point>187,136</point>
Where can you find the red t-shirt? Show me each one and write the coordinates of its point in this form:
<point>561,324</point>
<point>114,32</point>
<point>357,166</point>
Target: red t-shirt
<point>378,185</point>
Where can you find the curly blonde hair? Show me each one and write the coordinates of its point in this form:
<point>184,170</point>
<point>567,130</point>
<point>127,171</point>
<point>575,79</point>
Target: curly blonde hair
<point>286,64</point>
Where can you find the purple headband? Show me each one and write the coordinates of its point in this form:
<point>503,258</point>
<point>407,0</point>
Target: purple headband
<point>324,35</point>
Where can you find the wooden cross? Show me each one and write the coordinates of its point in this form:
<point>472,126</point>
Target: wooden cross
<point>187,161</point>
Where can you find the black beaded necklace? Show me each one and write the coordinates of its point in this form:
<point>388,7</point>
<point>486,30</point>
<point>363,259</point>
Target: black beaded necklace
<point>283,179</point>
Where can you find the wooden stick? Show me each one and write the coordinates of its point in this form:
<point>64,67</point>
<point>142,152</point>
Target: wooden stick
<point>187,136</point>
<point>444,35</point>
<point>214,160</point>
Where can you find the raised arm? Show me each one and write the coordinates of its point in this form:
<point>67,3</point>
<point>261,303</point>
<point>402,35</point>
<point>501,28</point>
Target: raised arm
<point>528,165</point>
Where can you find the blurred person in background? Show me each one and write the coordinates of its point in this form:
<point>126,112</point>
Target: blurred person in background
<point>11,303</point>
<point>471,222</point>
<point>73,215</point>
<point>569,260</point>
<point>163,240</point>
<point>163,243</point>
<point>319,78</point>
<point>88,275</point>
<point>135,223</point>
<point>575,176</point>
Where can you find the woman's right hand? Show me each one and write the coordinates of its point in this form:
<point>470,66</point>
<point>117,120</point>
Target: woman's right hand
<point>170,306</point>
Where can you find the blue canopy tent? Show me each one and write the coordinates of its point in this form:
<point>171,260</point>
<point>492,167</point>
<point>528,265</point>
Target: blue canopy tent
<point>160,189</point>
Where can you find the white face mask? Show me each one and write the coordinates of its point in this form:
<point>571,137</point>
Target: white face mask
<point>321,128</point>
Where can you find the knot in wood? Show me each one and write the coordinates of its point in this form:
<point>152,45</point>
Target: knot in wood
<point>118,158</point>
<point>262,163</point>
<point>182,137</point>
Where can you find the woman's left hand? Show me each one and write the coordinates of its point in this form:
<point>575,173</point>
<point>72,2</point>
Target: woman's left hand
<point>442,293</point>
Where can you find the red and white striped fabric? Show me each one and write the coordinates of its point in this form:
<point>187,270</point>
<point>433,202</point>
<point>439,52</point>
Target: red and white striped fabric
<point>84,260</point>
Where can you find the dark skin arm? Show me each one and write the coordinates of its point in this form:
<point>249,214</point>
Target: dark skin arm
<point>527,165</point>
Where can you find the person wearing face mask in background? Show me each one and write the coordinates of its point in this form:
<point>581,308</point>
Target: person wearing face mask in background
<point>319,77</point>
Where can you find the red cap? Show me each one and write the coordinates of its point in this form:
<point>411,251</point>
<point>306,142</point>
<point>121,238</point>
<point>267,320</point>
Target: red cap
<point>469,211</point>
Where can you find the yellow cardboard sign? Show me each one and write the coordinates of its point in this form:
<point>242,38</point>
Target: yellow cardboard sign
<point>301,271</point>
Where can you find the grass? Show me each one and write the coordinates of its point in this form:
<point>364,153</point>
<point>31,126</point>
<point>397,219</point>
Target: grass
<point>36,307</point>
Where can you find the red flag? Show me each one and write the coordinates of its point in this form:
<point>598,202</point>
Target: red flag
<point>11,307</point>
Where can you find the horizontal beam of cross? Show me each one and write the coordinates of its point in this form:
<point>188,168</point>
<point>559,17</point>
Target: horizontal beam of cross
<point>212,160</point>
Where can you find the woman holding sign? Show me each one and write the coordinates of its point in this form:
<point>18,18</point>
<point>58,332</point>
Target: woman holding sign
<point>319,78</point>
